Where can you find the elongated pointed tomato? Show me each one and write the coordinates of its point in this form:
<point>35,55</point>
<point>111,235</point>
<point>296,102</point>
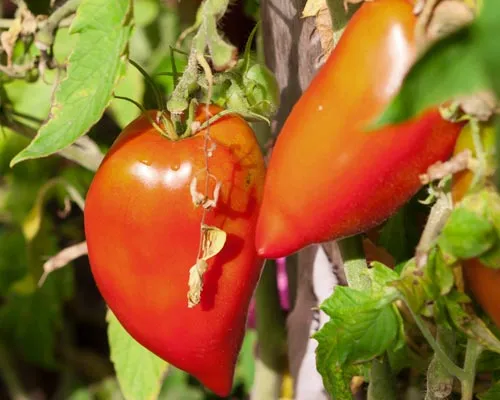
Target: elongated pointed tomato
<point>328,178</point>
<point>143,233</point>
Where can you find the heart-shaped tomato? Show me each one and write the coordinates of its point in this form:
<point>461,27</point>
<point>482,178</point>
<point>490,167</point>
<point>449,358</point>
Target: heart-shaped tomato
<point>143,233</point>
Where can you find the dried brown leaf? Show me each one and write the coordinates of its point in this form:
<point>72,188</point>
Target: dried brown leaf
<point>439,170</point>
<point>481,105</point>
<point>212,242</point>
<point>448,16</point>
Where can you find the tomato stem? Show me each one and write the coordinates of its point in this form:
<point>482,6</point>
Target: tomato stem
<point>472,353</point>
<point>355,264</point>
<point>450,366</point>
<point>381,381</point>
<point>222,55</point>
<point>439,380</point>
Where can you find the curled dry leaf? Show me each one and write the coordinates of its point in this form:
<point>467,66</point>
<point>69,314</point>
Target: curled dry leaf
<point>319,10</point>
<point>200,199</point>
<point>480,106</point>
<point>438,216</point>
<point>9,38</point>
<point>439,170</point>
<point>212,242</point>
<point>61,259</point>
<point>448,16</point>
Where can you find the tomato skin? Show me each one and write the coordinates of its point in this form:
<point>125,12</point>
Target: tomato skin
<point>143,233</point>
<point>328,177</point>
<point>482,281</point>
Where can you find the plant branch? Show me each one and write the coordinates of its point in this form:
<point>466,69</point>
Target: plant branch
<point>438,216</point>
<point>450,366</point>
<point>473,351</point>
<point>44,37</point>
<point>381,381</point>
<point>355,264</point>
<point>439,380</point>
<point>221,53</point>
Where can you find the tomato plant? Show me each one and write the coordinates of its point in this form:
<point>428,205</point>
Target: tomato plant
<point>329,177</point>
<point>142,225</point>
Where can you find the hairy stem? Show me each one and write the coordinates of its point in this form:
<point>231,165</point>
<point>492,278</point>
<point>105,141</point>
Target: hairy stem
<point>438,216</point>
<point>221,53</point>
<point>439,380</point>
<point>44,38</point>
<point>450,366</point>
<point>355,265</point>
<point>381,381</point>
<point>472,353</point>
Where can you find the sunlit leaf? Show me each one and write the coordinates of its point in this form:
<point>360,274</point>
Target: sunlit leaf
<point>95,66</point>
<point>140,373</point>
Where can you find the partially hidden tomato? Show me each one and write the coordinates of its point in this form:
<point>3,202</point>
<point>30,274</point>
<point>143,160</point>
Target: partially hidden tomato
<point>482,281</point>
<point>328,177</point>
<point>143,235</point>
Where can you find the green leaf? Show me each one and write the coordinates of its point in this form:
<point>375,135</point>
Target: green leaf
<point>336,377</point>
<point>362,326</point>
<point>140,373</point>
<point>414,285</point>
<point>366,326</point>
<point>452,66</point>
<point>469,323</point>
<point>488,361</point>
<point>467,234</point>
<point>95,66</point>
<point>439,273</point>
<point>380,276</point>
<point>493,393</point>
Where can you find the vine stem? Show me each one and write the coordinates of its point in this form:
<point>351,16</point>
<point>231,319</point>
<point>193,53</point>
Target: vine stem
<point>46,33</point>
<point>221,53</point>
<point>472,352</point>
<point>355,264</point>
<point>450,366</point>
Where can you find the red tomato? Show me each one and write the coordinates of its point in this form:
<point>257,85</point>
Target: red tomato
<point>328,178</point>
<point>143,233</point>
<point>482,281</point>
